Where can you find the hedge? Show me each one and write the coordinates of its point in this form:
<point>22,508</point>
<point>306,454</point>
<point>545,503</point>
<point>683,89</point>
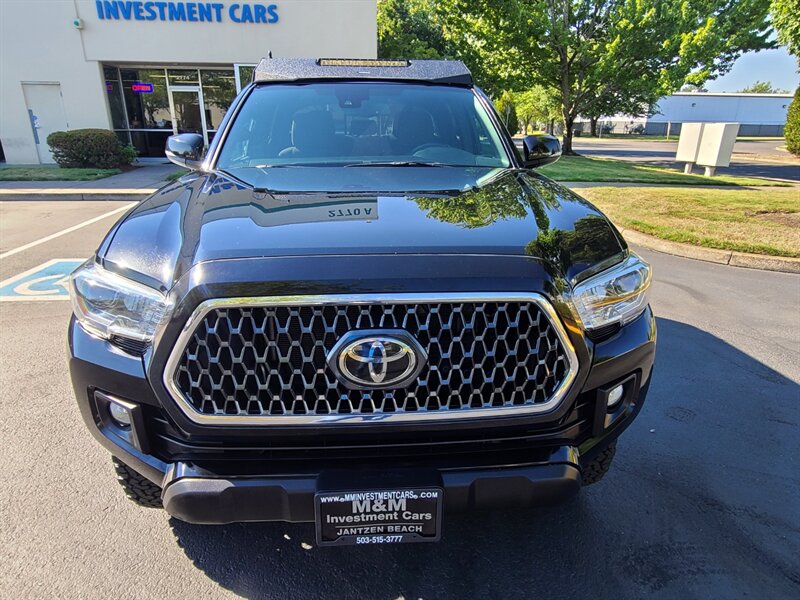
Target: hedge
<point>98,148</point>
<point>792,129</point>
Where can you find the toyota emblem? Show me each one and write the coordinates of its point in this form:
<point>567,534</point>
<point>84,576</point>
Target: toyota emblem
<point>377,359</point>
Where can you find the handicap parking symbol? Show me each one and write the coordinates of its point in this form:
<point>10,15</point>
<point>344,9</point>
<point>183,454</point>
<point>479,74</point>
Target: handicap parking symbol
<point>48,281</point>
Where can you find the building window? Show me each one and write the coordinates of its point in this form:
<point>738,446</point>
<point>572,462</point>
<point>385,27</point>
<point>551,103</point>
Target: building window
<point>183,76</point>
<point>244,73</point>
<point>150,143</point>
<point>114,95</point>
<point>146,109</point>
<point>219,90</point>
<point>143,102</point>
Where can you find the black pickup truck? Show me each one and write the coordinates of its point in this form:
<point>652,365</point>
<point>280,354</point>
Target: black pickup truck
<point>363,308</point>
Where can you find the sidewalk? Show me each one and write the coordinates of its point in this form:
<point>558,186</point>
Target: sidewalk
<point>136,184</point>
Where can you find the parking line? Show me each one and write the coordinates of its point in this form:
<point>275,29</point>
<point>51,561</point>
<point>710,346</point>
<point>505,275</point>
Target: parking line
<point>66,231</point>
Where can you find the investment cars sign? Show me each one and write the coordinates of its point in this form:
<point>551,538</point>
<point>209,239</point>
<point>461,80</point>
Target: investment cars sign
<point>194,12</point>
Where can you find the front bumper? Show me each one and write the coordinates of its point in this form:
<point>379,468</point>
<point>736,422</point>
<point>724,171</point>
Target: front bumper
<point>195,496</point>
<point>542,467</point>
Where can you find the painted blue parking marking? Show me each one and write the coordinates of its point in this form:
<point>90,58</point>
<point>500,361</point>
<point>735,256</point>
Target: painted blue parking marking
<point>48,281</point>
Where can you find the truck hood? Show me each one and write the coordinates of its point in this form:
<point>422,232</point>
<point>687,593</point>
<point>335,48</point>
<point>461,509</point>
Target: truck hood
<point>470,211</point>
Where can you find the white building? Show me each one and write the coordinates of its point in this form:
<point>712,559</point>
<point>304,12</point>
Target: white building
<point>757,114</point>
<point>148,69</point>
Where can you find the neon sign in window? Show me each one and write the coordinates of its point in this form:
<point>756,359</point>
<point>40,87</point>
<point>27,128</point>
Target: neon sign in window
<point>142,88</point>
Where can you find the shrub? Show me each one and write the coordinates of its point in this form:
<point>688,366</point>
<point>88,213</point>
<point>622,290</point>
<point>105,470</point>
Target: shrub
<point>98,148</point>
<point>792,129</point>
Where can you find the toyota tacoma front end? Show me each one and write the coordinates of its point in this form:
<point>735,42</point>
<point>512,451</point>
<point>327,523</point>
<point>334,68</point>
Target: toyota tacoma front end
<point>363,308</point>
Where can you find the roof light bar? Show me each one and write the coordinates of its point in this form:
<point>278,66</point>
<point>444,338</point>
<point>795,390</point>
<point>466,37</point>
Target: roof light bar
<point>360,62</point>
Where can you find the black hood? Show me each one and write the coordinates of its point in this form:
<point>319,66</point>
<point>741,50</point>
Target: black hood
<point>208,217</point>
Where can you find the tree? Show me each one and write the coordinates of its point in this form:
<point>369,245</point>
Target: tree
<point>508,112</point>
<point>407,29</point>
<point>792,129</point>
<point>761,87</point>
<point>538,106</point>
<point>786,20</point>
<point>603,55</point>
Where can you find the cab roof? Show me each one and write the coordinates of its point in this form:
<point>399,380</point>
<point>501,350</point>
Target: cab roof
<point>452,72</point>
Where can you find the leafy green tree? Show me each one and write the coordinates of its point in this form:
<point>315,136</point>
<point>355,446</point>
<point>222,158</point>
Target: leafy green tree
<point>408,29</point>
<point>761,87</point>
<point>628,52</point>
<point>538,106</point>
<point>507,110</point>
<point>792,129</point>
<point>786,20</point>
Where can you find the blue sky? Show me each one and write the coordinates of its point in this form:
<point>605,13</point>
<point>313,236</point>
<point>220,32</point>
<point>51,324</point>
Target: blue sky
<point>776,66</point>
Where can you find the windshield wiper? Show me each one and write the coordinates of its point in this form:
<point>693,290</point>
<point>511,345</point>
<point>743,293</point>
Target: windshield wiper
<point>401,163</point>
<point>257,189</point>
<point>295,165</point>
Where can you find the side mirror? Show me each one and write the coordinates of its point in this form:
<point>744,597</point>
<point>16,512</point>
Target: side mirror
<point>186,150</point>
<point>540,150</point>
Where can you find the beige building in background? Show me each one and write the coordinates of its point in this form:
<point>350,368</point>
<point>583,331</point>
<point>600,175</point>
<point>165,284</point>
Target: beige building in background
<point>148,69</point>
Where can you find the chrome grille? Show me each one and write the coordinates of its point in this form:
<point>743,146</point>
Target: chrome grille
<point>264,360</point>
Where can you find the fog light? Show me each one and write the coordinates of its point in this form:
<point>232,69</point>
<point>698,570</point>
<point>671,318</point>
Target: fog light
<point>119,414</point>
<point>615,395</point>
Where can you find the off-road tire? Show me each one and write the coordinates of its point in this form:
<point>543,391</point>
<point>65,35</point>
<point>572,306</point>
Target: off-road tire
<point>595,470</point>
<point>137,487</point>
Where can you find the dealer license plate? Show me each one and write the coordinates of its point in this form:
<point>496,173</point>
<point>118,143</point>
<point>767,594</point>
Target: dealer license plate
<point>379,516</point>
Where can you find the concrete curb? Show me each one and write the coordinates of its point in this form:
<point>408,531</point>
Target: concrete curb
<point>723,257</point>
<point>77,194</point>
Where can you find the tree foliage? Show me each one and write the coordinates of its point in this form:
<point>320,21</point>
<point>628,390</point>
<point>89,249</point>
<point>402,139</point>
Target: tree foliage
<point>507,109</point>
<point>792,129</point>
<point>408,29</point>
<point>538,106</point>
<point>602,56</point>
<point>786,20</point>
<point>761,87</point>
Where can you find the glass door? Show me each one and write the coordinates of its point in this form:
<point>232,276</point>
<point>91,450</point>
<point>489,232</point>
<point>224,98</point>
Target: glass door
<point>186,104</point>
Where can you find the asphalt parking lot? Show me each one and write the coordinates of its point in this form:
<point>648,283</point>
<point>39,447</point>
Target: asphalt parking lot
<point>703,500</point>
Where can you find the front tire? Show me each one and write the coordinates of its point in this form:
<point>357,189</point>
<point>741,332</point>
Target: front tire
<point>596,470</point>
<point>137,487</point>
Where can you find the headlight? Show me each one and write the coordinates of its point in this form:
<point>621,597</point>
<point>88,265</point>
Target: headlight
<point>617,295</point>
<point>108,304</point>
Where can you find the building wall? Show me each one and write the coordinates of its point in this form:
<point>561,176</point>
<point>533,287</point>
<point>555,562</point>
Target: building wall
<point>745,129</point>
<point>750,109</point>
<point>757,114</point>
<point>39,43</point>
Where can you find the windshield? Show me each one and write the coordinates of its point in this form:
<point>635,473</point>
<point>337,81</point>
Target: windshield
<point>362,123</point>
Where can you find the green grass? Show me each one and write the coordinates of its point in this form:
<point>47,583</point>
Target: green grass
<point>53,173</point>
<point>582,168</point>
<point>760,221</point>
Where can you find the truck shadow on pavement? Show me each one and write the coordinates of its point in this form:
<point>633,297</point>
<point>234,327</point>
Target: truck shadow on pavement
<point>698,503</point>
